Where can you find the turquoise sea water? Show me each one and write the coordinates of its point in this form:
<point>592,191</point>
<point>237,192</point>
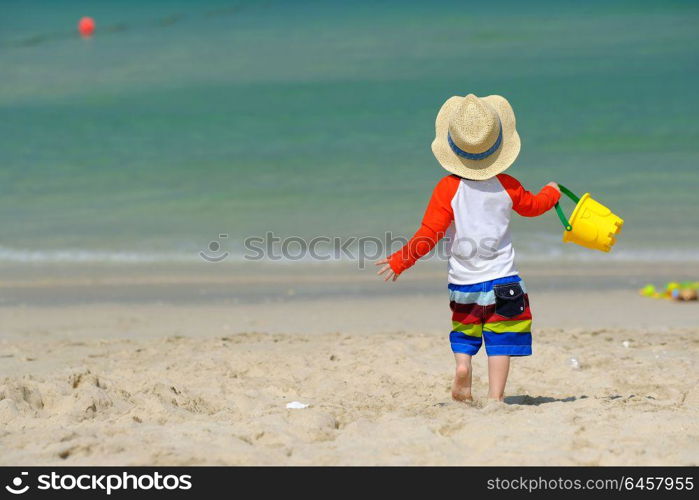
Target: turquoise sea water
<point>178,121</point>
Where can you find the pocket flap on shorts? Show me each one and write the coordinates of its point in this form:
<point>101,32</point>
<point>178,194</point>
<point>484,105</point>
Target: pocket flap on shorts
<point>510,291</point>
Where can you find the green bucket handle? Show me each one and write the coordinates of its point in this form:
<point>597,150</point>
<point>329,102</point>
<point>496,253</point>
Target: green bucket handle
<point>559,210</point>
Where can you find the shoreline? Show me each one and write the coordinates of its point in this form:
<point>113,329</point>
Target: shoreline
<point>202,283</point>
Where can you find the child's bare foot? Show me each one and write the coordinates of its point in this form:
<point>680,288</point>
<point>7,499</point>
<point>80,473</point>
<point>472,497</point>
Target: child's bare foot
<point>461,387</point>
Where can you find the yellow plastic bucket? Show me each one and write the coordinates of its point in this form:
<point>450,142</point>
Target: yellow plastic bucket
<point>591,224</point>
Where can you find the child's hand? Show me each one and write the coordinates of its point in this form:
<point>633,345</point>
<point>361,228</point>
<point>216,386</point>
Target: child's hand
<point>554,185</point>
<point>391,275</point>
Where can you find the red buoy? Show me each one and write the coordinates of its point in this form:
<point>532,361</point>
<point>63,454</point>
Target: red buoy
<point>86,27</point>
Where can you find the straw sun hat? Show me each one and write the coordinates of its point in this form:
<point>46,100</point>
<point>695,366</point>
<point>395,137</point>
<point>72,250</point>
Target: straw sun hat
<point>476,136</point>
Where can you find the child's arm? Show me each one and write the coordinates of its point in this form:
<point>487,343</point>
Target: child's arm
<point>438,216</point>
<point>526,203</point>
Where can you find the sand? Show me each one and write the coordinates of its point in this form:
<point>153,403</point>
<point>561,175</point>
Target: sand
<point>173,380</point>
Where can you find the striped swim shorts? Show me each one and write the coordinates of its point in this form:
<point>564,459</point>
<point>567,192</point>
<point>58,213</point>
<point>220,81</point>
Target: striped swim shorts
<point>496,312</point>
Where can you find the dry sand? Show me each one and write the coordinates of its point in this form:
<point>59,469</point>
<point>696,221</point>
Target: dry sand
<point>178,382</point>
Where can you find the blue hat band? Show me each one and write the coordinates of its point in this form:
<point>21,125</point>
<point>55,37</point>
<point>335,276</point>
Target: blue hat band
<point>475,156</point>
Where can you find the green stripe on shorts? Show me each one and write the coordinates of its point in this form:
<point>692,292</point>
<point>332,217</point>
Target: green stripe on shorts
<point>516,326</point>
<point>475,330</point>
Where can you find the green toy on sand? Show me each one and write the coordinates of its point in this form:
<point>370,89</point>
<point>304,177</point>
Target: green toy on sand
<point>683,291</point>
